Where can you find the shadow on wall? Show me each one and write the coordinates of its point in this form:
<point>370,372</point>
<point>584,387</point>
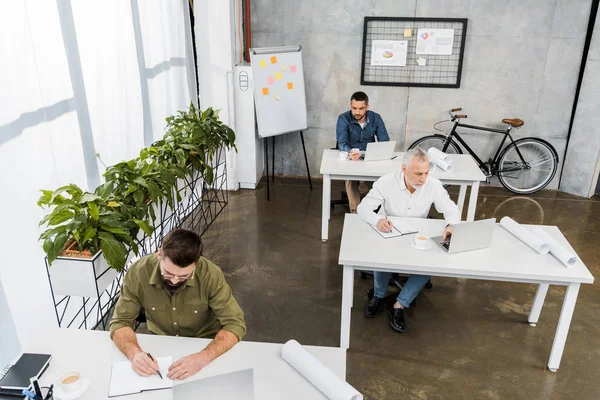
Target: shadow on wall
<point>78,102</point>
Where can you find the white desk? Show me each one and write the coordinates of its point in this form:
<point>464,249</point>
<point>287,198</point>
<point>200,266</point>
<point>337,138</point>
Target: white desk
<point>465,172</point>
<point>92,353</point>
<point>507,259</point>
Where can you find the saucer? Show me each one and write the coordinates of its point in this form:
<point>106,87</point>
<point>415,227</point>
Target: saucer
<point>426,246</point>
<point>60,395</point>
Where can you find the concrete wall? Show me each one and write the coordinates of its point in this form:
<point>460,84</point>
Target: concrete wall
<point>521,60</point>
<point>583,157</point>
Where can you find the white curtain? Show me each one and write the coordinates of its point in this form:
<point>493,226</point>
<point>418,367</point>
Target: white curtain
<point>78,78</point>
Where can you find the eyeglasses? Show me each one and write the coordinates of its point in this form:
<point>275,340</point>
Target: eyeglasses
<point>178,277</point>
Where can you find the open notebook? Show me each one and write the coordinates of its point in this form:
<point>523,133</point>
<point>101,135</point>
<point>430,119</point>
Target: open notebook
<point>124,380</point>
<point>399,228</point>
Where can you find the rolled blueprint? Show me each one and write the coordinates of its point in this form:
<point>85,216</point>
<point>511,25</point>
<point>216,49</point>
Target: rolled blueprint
<point>556,249</point>
<point>440,159</point>
<point>331,385</point>
<point>528,237</point>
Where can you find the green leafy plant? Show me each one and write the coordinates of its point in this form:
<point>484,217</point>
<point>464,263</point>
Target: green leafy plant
<point>94,221</point>
<point>110,218</point>
<point>193,138</point>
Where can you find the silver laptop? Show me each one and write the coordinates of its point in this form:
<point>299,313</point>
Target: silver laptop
<point>237,385</point>
<point>378,151</point>
<point>468,236</point>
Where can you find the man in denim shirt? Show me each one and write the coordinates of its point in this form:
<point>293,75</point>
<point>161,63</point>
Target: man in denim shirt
<point>354,129</point>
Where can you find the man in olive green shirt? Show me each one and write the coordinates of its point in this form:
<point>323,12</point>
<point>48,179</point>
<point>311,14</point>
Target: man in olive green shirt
<point>182,294</point>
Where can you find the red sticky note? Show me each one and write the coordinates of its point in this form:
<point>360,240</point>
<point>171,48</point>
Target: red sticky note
<point>271,80</point>
<point>273,60</point>
<point>293,68</point>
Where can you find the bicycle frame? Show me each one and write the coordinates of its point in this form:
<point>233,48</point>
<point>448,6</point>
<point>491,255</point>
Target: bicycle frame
<point>492,166</point>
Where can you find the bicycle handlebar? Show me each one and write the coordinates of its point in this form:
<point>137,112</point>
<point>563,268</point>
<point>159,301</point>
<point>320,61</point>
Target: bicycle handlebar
<point>460,116</point>
<point>456,109</point>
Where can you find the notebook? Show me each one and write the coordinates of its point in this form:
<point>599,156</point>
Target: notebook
<point>124,380</point>
<point>18,376</point>
<point>399,228</point>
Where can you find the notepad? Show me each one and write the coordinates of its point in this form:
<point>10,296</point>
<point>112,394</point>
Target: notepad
<point>399,228</point>
<point>124,380</point>
<point>28,366</point>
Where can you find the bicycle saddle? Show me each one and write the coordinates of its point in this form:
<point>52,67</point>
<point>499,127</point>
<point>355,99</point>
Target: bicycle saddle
<point>515,122</point>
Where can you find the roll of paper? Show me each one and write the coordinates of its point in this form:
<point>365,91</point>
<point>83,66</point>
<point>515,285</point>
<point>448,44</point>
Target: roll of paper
<point>556,249</point>
<point>525,235</point>
<point>331,385</point>
<point>440,159</point>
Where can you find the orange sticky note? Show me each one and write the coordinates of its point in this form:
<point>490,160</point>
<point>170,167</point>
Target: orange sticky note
<point>273,60</point>
<point>263,63</point>
<point>265,90</point>
<point>290,85</point>
<point>278,75</point>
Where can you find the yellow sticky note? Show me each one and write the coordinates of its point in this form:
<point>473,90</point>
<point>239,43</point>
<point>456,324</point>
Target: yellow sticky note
<point>290,85</point>
<point>407,32</point>
<point>265,91</point>
<point>278,76</point>
<point>273,60</point>
<point>263,63</point>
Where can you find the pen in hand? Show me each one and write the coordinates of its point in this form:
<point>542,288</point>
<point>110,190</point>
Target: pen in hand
<point>158,372</point>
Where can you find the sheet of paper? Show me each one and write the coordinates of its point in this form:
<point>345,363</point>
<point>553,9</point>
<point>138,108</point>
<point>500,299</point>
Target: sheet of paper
<point>407,32</point>
<point>124,380</point>
<point>394,233</point>
<point>403,226</point>
<point>435,41</point>
<point>389,53</point>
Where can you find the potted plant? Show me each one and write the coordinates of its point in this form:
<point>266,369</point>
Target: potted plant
<point>87,229</point>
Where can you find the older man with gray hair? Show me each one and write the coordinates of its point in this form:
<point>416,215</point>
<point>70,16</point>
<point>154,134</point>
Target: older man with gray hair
<point>406,193</point>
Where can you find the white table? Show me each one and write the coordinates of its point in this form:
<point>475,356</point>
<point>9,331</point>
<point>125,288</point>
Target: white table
<point>507,259</point>
<point>464,172</point>
<point>92,354</point>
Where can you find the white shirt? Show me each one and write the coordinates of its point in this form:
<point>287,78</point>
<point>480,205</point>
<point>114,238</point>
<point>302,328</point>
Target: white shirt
<point>391,193</point>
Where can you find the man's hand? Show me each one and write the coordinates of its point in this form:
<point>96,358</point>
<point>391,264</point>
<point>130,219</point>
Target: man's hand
<point>143,365</point>
<point>354,155</point>
<point>188,366</point>
<point>447,233</point>
<point>384,225</point>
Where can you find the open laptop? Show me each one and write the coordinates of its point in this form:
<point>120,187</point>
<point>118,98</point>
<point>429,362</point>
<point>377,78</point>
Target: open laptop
<point>237,385</point>
<point>468,236</point>
<point>378,151</point>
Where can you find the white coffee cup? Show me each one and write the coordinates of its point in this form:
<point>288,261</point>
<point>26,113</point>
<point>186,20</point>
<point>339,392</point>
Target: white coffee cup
<point>421,241</point>
<point>70,382</point>
<point>355,150</point>
<point>343,155</point>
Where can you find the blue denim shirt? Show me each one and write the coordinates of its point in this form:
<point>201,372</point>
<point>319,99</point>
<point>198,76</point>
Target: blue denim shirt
<point>350,135</point>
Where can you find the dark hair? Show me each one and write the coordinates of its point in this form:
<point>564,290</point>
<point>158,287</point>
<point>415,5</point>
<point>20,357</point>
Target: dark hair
<point>360,96</point>
<point>182,246</point>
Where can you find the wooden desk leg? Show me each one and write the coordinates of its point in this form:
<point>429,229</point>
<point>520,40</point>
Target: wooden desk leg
<point>326,207</point>
<point>564,322</point>
<point>473,201</point>
<point>538,303</point>
<point>461,199</point>
<point>347,300</point>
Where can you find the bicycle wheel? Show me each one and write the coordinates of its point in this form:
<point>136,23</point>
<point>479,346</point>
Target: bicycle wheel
<point>541,163</point>
<point>436,141</point>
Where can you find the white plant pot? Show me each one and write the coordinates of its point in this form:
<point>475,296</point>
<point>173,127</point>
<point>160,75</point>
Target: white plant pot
<point>79,276</point>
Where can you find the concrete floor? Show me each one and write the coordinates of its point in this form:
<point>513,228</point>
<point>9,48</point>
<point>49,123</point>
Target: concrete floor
<point>466,339</point>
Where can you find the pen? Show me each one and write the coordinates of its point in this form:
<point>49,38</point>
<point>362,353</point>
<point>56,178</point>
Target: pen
<point>50,392</point>
<point>158,372</point>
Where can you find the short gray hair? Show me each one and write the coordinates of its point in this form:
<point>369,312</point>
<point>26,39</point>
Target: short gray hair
<point>412,153</point>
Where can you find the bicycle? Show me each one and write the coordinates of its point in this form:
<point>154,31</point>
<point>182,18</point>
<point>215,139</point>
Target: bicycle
<point>524,166</point>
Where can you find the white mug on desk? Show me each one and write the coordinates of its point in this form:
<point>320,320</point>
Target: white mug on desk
<point>70,382</point>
